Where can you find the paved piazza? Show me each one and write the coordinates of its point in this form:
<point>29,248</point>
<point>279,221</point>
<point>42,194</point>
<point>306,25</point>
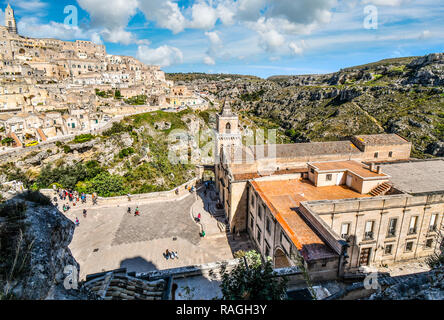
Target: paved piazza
<point>110,238</point>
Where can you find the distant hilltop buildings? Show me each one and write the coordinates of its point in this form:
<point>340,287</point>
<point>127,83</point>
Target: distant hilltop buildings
<point>41,76</point>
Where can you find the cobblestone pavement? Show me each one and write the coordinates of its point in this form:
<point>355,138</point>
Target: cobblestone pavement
<point>158,220</point>
<point>110,238</point>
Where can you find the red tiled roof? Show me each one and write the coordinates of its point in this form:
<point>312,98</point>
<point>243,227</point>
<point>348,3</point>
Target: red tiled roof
<point>283,198</point>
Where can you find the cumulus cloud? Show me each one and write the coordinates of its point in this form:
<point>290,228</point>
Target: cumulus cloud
<point>111,17</point>
<point>118,35</point>
<point>163,56</point>
<point>204,16</point>
<point>95,37</point>
<point>295,48</point>
<point>209,61</point>
<point>31,27</point>
<point>167,14</point>
<point>110,14</point>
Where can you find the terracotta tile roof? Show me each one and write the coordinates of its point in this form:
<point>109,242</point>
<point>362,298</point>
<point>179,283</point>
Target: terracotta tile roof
<point>353,166</point>
<point>283,198</point>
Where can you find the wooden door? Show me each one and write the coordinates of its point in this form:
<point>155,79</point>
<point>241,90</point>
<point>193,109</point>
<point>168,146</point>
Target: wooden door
<point>364,259</point>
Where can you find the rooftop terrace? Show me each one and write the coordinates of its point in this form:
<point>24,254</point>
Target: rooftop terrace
<point>417,176</point>
<point>353,166</point>
<point>283,197</point>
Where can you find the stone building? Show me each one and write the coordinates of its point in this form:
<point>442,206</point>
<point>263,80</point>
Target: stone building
<point>337,205</point>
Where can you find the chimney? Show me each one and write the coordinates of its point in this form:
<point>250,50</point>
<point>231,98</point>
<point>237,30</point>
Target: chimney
<point>372,167</point>
<point>379,170</point>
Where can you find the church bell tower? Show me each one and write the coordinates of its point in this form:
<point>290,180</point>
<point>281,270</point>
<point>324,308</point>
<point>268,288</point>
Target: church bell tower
<point>10,22</point>
<point>228,133</point>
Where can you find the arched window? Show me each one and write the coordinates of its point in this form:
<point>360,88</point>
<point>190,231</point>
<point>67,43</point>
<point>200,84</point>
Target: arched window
<point>228,127</point>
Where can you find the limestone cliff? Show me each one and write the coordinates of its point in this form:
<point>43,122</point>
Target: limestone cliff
<point>34,239</point>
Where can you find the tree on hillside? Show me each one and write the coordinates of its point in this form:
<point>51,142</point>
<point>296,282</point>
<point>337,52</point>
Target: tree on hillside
<point>253,280</point>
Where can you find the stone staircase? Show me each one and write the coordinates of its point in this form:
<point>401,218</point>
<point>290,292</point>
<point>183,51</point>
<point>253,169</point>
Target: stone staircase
<point>381,189</point>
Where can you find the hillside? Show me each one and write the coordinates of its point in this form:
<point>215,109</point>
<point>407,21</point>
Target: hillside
<point>403,96</point>
<point>130,157</point>
<point>133,156</point>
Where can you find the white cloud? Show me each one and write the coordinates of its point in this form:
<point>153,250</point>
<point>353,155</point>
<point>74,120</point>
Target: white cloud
<point>118,35</point>
<point>167,14</point>
<point>111,17</point>
<point>295,48</point>
<point>95,37</point>
<point>31,27</point>
<point>163,56</point>
<point>250,10</point>
<point>209,61</point>
<point>110,14</point>
<point>29,5</point>
<point>390,3</point>
<point>425,34</point>
<point>204,16</point>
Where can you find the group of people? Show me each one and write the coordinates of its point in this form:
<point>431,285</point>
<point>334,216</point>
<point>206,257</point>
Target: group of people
<point>136,212</point>
<point>71,197</point>
<point>170,255</point>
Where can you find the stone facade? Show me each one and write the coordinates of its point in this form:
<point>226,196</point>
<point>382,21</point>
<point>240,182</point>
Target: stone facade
<point>336,195</point>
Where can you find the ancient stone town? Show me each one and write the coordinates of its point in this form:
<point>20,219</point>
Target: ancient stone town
<point>86,177</point>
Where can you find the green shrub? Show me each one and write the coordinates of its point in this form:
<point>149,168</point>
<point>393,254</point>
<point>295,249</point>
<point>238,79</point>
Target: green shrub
<point>107,185</point>
<point>137,100</point>
<point>83,138</point>
<point>126,152</point>
<point>117,127</point>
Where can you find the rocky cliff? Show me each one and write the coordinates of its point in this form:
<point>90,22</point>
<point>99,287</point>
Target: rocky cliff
<point>34,239</point>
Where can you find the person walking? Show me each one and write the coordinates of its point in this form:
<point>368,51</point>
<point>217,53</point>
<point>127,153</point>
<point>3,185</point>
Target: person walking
<point>77,222</point>
<point>84,213</point>
<point>137,213</point>
<point>129,210</point>
<point>167,254</point>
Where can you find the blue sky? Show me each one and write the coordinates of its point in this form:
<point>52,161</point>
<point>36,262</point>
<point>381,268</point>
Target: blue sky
<point>257,37</point>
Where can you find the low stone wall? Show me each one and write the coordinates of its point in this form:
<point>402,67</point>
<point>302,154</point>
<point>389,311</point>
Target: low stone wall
<point>154,196</point>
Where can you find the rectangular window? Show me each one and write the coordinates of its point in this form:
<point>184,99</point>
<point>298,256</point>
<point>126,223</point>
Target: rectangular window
<point>409,246</point>
<point>261,211</point>
<point>251,222</point>
<point>369,230</point>
<point>413,222</point>
<point>390,154</point>
<point>388,249</point>
<point>376,155</point>
<point>267,249</point>
<point>252,200</point>
<point>329,177</point>
<point>433,220</point>
<point>259,234</point>
<point>268,225</point>
<point>312,170</point>
<point>392,227</point>
<point>429,243</point>
<point>345,230</point>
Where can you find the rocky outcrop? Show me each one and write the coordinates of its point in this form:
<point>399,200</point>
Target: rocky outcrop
<point>426,286</point>
<point>436,149</point>
<point>43,253</point>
